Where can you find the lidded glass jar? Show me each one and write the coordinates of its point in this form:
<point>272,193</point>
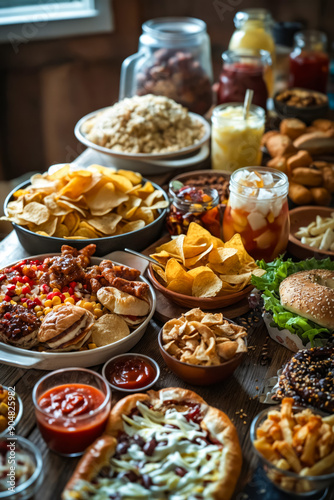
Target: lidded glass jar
<point>254,32</point>
<point>309,63</point>
<point>258,210</point>
<point>192,204</point>
<point>173,60</point>
<point>242,70</point>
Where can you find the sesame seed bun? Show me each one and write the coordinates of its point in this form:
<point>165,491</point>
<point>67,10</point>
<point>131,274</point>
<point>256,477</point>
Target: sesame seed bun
<point>310,294</point>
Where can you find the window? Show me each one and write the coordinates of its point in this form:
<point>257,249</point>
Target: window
<point>53,18</point>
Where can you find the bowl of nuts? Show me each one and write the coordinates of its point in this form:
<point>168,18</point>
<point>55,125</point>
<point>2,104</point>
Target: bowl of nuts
<point>307,105</point>
<point>145,132</point>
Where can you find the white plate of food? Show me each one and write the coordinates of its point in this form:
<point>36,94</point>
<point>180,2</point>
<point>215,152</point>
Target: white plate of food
<point>144,142</point>
<point>51,332</point>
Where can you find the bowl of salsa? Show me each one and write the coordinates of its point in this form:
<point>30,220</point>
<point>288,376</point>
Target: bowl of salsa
<point>131,372</point>
<point>72,407</point>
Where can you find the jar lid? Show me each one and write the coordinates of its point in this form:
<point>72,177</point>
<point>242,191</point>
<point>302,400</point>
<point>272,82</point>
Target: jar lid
<point>262,15</point>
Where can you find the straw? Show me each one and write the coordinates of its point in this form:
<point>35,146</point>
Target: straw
<point>247,102</point>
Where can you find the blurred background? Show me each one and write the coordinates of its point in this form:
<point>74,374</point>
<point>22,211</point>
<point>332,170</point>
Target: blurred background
<point>53,73</point>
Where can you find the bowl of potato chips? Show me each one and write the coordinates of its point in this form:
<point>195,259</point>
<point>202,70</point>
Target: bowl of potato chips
<point>200,270</point>
<point>202,348</point>
<point>71,205</point>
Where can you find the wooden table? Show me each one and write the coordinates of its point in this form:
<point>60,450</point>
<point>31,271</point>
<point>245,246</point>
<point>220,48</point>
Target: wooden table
<point>238,393</point>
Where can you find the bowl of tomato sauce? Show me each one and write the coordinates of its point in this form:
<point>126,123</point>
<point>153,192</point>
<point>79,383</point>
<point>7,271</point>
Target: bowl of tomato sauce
<point>131,372</point>
<point>72,407</point>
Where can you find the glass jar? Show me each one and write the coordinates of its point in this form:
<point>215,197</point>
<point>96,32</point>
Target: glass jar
<point>236,142</point>
<point>173,60</point>
<point>192,204</point>
<point>254,32</point>
<point>258,210</point>
<point>309,63</point>
<point>244,70</point>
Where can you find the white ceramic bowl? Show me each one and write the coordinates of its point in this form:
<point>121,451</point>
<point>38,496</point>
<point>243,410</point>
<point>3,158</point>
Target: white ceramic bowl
<point>25,358</point>
<point>155,162</point>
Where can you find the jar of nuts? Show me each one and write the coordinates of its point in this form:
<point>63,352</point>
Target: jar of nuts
<point>173,60</point>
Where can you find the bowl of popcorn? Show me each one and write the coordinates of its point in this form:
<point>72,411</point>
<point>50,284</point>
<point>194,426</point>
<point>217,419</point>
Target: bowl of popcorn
<point>146,132</point>
<point>296,447</point>
<point>202,348</point>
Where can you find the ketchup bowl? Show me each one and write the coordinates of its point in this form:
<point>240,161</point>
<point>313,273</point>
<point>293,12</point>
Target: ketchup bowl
<point>72,407</point>
<point>131,372</point>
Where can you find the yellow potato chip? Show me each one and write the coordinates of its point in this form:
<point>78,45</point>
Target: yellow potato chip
<point>181,286</point>
<point>129,207</point>
<point>106,224</point>
<point>86,233</point>
<point>206,284</point>
<point>60,173</point>
<point>52,204</point>
<point>36,213</point>
<point>134,177</point>
<point>67,204</point>
<point>236,242</point>
<point>49,227</point>
<point>106,198</point>
<point>105,171</point>
<point>236,279</point>
<point>173,247</point>
<point>174,270</point>
<point>121,182</point>
<point>133,226</point>
<point>61,231</point>
<point>161,257</point>
<point>224,260</point>
<point>146,189</point>
<point>160,272</point>
<point>198,259</point>
<point>71,221</point>
<point>145,214</point>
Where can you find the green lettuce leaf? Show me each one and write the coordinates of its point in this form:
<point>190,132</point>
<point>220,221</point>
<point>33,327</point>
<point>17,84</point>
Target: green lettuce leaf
<point>269,283</point>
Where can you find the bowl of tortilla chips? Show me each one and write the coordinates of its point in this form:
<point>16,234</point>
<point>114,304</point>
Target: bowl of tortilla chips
<point>78,206</point>
<point>202,348</point>
<point>200,270</point>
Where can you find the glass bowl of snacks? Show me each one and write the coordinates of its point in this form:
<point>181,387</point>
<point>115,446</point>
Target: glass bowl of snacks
<point>202,348</point>
<point>11,410</point>
<point>296,447</point>
<point>24,480</point>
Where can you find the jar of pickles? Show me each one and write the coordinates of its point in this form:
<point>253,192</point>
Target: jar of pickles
<point>258,210</point>
<point>193,204</point>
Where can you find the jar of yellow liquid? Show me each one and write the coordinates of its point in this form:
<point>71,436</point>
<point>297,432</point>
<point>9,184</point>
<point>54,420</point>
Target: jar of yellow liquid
<point>254,32</point>
<point>236,140</point>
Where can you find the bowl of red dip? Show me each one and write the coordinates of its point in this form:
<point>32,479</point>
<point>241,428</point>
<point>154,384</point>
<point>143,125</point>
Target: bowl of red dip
<point>72,407</point>
<point>131,372</point>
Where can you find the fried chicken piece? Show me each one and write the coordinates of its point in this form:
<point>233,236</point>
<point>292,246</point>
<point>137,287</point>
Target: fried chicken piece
<point>114,270</point>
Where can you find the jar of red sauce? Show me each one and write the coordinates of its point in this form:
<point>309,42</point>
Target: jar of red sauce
<point>192,204</point>
<point>244,70</point>
<point>309,63</point>
<point>72,407</point>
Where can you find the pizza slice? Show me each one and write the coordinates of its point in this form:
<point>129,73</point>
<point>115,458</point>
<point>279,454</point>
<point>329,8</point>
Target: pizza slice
<point>161,445</point>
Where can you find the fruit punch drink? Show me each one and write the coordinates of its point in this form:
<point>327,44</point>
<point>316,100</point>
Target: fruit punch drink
<point>258,209</point>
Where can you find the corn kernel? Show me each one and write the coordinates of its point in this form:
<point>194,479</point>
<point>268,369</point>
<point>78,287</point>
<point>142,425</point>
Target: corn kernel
<point>98,305</point>
<point>93,298</point>
<point>47,310</point>
<point>92,345</point>
<point>24,303</point>
<point>55,290</point>
<point>25,270</point>
<point>39,314</point>
<point>97,312</point>
<point>69,300</point>
<point>37,308</point>
<point>34,267</point>
<point>66,294</point>
<point>80,303</point>
<point>48,303</point>
<point>43,296</point>
<point>88,306</point>
<point>13,302</point>
<point>56,300</point>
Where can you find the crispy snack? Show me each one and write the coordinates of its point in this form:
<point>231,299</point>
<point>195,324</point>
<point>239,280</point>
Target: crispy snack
<point>82,204</point>
<point>300,442</point>
<point>319,233</point>
<point>144,124</point>
<point>204,339</point>
<point>201,265</point>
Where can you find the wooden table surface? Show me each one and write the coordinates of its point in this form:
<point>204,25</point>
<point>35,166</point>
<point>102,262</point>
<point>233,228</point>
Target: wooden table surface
<point>238,393</point>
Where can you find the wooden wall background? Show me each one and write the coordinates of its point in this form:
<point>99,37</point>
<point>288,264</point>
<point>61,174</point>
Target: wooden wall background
<point>48,85</point>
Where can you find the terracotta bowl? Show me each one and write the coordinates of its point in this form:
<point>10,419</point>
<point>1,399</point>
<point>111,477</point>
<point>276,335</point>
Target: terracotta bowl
<point>200,375</point>
<point>301,217</point>
<point>206,303</point>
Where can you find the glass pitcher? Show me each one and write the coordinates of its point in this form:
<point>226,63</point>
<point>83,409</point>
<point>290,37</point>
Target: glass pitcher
<point>174,60</point>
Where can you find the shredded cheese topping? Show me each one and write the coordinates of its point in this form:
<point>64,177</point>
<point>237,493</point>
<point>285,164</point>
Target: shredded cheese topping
<point>168,457</point>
